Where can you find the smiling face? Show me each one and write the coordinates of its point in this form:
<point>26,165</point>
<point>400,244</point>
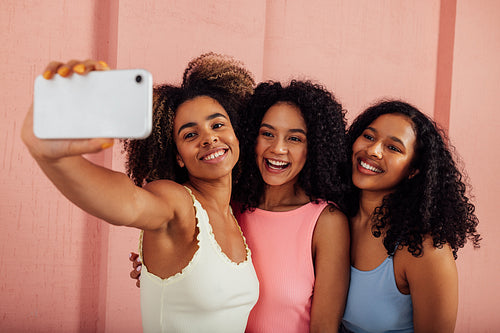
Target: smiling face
<point>205,139</point>
<point>383,153</point>
<point>281,148</point>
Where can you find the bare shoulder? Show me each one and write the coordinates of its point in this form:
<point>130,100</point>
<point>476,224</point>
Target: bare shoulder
<point>168,189</point>
<point>435,263</point>
<point>431,255</point>
<point>332,216</point>
<point>173,199</point>
<point>332,226</point>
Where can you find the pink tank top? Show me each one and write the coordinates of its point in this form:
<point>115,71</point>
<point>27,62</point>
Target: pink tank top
<point>281,252</point>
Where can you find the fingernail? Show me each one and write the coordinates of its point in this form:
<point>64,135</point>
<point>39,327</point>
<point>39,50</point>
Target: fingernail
<point>130,255</point>
<point>80,68</point>
<point>138,268</point>
<point>106,145</point>
<point>102,63</point>
<point>138,259</point>
<point>139,278</point>
<point>63,71</point>
<point>47,75</point>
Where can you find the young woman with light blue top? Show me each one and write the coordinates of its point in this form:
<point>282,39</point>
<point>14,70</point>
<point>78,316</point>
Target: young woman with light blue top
<point>408,218</point>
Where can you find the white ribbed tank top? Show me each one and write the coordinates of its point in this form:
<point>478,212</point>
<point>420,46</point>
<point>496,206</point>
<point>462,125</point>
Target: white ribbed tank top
<point>211,294</point>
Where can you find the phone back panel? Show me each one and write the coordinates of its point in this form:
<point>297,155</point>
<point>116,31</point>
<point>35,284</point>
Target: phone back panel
<point>104,104</point>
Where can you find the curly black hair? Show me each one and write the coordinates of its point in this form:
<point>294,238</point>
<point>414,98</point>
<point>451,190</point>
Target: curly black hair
<point>324,175</point>
<point>218,76</point>
<point>434,202</point>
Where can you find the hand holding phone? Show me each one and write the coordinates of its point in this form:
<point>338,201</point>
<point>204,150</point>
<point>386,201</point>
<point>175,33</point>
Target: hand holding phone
<point>101,104</point>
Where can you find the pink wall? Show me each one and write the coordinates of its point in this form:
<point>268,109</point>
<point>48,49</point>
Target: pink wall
<point>474,124</point>
<point>62,270</point>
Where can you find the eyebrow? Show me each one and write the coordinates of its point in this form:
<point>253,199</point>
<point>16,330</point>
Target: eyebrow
<point>393,138</point>
<point>192,124</point>
<point>293,130</point>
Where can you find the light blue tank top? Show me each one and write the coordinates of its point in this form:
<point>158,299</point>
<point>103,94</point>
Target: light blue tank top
<point>374,303</point>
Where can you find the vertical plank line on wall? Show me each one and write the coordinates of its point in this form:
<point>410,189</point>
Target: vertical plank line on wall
<point>94,277</point>
<point>276,14</point>
<point>266,38</point>
<point>106,31</point>
<point>444,70</point>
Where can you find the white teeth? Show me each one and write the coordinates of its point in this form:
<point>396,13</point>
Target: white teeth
<point>277,164</point>
<point>369,167</point>
<point>214,155</point>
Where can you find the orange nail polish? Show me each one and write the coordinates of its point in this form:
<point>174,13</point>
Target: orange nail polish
<point>80,68</point>
<point>106,145</point>
<point>103,64</point>
<point>47,75</point>
<point>63,71</point>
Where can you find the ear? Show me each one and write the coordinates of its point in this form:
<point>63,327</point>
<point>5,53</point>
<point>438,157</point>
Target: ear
<point>179,160</point>
<point>413,173</point>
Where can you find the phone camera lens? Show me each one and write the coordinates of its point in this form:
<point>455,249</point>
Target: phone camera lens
<point>138,78</point>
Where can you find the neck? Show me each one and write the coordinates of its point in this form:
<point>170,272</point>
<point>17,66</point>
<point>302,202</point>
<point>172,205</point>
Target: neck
<point>368,201</point>
<point>212,193</point>
<point>282,197</point>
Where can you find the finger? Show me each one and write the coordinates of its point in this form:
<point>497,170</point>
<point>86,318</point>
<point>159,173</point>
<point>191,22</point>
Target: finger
<point>67,69</point>
<point>132,256</point>
<point>51,69</point>
<point>89,65</point>
<point>102,66</point>
<point>52,149</point>
<point>86,146</point>
<point>57,148</point>
<point>137,262</point>
<point>138,283</point>
<point>134,274</point>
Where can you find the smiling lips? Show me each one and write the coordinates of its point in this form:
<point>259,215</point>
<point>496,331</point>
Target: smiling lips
<point>276,164</point>
<point>214,156</point>
<point>369,167</point>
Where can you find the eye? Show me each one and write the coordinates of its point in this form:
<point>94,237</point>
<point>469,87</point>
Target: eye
<point>189,135</point>
<point>217,125</point>
<point>394,148</point>
<point>266,133</point>
<point>295,139</point>
<point>368,137</point>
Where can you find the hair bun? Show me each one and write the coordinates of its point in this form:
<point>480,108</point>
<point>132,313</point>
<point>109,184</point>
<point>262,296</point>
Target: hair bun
<point>219,71</point>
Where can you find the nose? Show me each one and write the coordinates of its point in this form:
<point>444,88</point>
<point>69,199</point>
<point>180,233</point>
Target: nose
<point>375,149</point>
<point>279,147</point>
<point>209,138</point>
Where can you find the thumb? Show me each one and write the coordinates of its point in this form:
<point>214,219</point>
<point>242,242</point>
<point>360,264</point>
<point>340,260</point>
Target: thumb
<point>86,146</point>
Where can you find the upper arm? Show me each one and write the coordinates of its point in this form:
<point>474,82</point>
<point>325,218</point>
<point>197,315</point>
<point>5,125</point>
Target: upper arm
<point>159,203</point>
<point>433,283</point>
<point>332,267</point>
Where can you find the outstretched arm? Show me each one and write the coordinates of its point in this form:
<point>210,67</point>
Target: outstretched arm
<point>102,192</point>
<point>331,242</point>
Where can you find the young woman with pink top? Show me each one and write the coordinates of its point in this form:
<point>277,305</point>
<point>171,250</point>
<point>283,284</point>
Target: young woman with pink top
<point>294,160</point>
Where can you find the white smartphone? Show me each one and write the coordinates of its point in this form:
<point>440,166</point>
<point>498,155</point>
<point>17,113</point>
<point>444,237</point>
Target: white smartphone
<point>101,104</point>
